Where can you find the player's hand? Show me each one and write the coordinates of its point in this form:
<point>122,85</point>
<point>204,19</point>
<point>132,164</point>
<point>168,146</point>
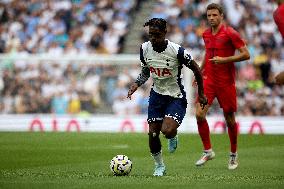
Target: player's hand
<point>132,89</point>
<point>202,101</point>
<point>218,60</point>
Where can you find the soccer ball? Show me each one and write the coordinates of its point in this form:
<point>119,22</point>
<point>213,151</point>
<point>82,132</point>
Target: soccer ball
<point>120,165</point>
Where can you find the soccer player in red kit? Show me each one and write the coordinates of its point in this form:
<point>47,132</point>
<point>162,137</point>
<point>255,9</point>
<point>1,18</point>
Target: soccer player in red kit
<point>278,16</point>
<point>218,68</point>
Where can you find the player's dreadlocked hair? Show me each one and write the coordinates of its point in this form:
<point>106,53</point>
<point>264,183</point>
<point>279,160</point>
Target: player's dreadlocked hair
<point>157,22</point>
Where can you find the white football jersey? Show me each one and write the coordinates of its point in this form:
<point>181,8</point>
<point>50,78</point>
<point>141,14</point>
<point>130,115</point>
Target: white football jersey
<point>165,68</point>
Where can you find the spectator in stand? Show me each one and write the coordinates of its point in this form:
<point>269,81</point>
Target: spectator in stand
<point>59,104</point>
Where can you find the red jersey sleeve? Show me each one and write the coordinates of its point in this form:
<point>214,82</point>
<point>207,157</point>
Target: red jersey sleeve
<point>278,16</point>
<point>237,41</point>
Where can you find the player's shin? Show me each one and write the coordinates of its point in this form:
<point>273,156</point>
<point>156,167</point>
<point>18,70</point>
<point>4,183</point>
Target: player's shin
<point>155,147</point>
<point>233,135</point>
<point>156,153</point>
<point>203,130</point>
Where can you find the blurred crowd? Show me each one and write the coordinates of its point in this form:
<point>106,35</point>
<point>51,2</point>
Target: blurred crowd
<point>99,27</point>
<point>55,28</point>
<point>65,26</point>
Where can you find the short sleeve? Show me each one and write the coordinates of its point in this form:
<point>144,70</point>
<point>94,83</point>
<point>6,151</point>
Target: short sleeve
<point>237,41</point>
<point>143,62</point>
<point>184,57</point>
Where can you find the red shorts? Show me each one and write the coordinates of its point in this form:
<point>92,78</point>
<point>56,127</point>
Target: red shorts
<point>226,96</point>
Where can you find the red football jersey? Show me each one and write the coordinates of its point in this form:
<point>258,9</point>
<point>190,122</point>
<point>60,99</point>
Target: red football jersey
<point>278,16</point>
<point>222,44</point>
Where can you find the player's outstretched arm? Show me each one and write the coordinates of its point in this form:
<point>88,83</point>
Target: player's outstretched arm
<point>141,79</point>
<point>198,77</point>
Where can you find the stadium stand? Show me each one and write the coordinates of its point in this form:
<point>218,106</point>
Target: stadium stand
<point>86,27</point>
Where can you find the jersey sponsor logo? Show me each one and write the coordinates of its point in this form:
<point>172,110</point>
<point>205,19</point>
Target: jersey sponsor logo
<point>160,71</point>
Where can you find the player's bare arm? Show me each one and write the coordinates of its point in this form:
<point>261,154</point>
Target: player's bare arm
<point>198,77</point>
<point>194,83</point>
<point>141,79</point>
<point>202,64</point>
<point>243,55</point>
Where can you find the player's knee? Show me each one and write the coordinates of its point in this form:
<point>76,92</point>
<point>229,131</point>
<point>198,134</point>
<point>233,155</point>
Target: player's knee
<point>154,142</point>
<point>169,127</point>
<point>200,113</point>
<point>231,123</point>
<point>154,129</point>
<point>200,116</point>
<point>169,132</point>
<point>153,134</point>
<point>230,119</point>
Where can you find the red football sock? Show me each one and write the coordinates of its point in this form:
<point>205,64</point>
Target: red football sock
<point>203,130</point>
<point>233,134</point>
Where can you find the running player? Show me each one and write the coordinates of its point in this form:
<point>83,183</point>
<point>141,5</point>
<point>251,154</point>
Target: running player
<point>164,60</point>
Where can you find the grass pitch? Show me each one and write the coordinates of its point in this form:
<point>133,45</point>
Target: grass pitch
<point>81,160</point>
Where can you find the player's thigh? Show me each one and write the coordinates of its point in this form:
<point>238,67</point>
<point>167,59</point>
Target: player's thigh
<point>156,108</point>
<point>227,98</point>
<point>209,92</point>
<point>169,125</point>
<point>175,112</point>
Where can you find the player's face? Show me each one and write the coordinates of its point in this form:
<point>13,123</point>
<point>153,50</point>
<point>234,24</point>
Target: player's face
<point>156,36</point>
<point>214,17</point>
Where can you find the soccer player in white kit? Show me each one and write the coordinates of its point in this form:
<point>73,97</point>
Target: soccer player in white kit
<point>164,60</point>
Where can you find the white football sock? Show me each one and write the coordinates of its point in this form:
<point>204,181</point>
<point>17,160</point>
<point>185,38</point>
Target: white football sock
<point>158,158</point>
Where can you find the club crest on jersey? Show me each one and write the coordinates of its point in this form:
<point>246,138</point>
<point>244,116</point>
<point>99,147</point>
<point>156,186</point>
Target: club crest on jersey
<point>187,56</point>
<point>160,71</point>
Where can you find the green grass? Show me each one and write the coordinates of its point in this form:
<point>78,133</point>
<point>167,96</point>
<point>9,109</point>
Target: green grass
<point>72,160</point>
